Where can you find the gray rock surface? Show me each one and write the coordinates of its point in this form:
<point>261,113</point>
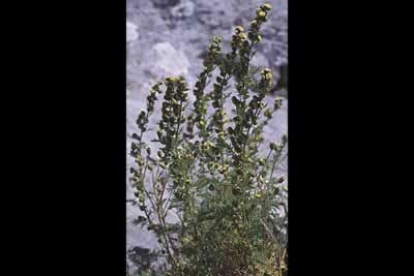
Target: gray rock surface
<point>169,37</point>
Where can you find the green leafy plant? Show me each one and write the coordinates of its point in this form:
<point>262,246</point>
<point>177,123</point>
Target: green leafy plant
<point>207,172</point>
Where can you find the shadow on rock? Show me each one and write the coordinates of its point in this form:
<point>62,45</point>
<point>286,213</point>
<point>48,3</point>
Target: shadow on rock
<point>142,258</point>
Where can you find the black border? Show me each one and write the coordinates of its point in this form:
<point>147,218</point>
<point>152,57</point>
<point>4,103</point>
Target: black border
<point>73,145</point>
<point>317,230</point>
<point>338,80</point>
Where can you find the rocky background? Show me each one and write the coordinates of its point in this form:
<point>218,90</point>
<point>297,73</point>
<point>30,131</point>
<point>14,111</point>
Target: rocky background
<point>170,37</point>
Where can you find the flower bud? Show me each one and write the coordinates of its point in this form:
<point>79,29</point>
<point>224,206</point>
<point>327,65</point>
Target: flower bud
<point>268,113</point>
<point>242,36</point>
<point>260,13</point>
<point>266,7</point>
<point>239,29</point>
<point>217,39</point>
<point>273,146</point>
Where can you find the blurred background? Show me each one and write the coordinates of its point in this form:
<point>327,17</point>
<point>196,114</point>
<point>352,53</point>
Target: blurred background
<point>170,37</point>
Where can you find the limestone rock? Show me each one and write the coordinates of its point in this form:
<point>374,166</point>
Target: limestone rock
<point>132,33</point>
<point>170,61</point>
<point>183,10</point>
